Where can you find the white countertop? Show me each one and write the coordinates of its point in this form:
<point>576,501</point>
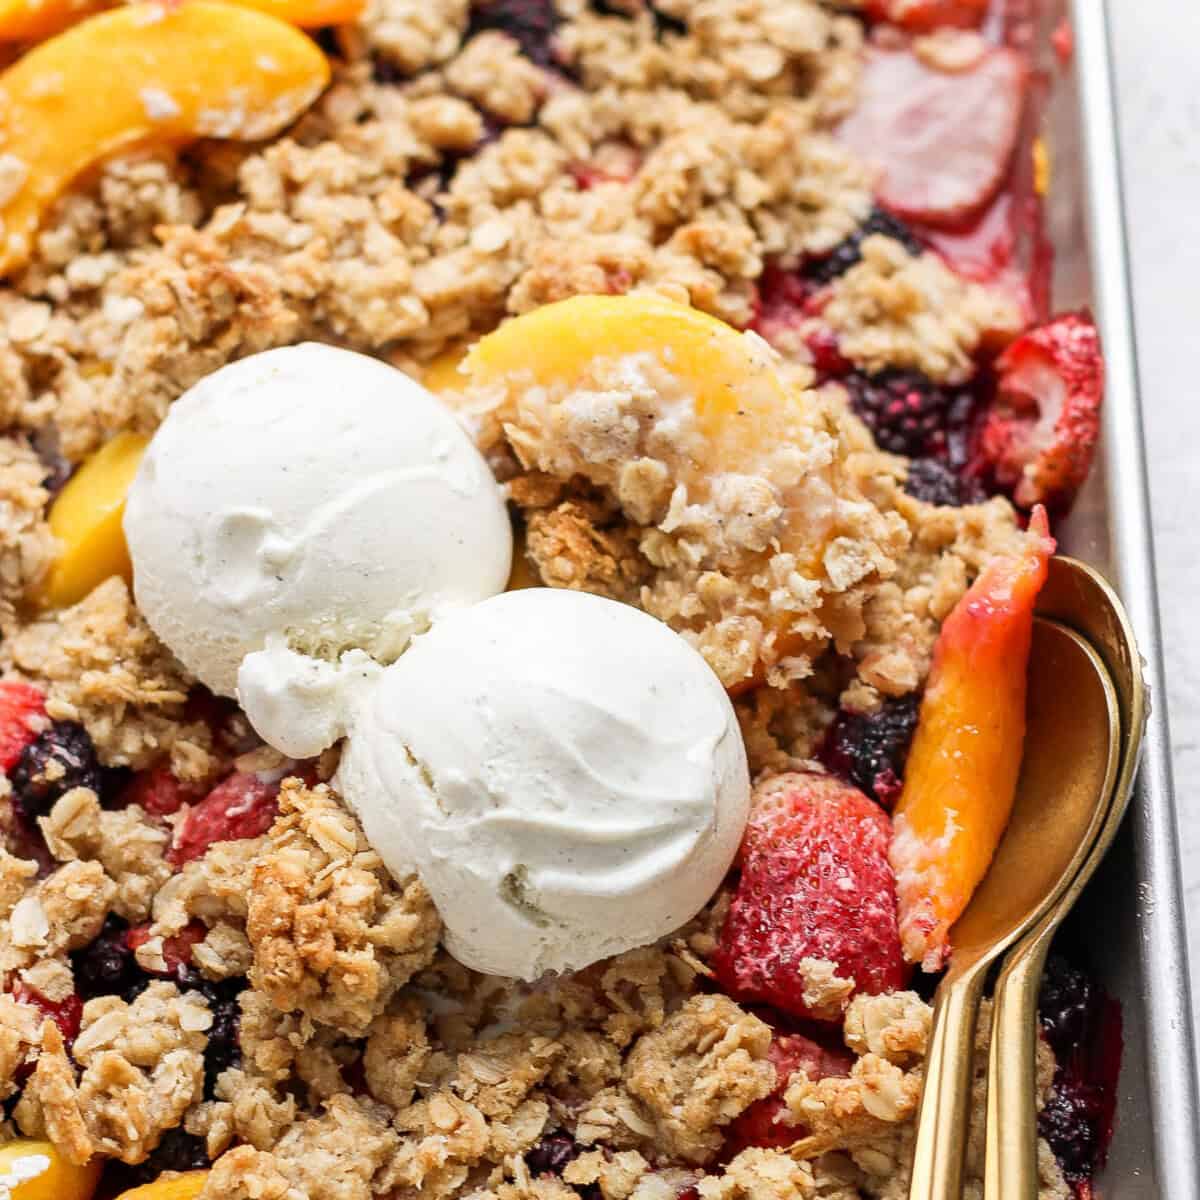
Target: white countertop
<point>1157,51</point>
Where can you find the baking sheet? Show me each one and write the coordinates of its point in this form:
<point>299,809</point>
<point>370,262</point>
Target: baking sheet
<point>1130,924</point>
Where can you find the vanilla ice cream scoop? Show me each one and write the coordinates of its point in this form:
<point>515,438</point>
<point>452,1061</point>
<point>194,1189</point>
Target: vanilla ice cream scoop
<point>317,502</point>
<point>565,773</point>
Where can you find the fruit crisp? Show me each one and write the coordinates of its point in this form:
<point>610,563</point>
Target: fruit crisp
<point>206,965</point>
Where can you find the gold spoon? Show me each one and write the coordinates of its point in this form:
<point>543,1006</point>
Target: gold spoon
<point>1069,767</point>
<point>1077,596</point>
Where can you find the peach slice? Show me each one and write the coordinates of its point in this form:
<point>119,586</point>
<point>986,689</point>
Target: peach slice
<point>961,777</point>
<point>32,20</point>
<point>86,518</point>
<point>559,342</point>
<point>35,1170</point>
<point>186,1186</point>
<point>170,75</point>
<point>444,373</point>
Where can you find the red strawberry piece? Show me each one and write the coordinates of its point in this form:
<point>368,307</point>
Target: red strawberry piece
<point>789,1052</point>
<point>66,1014</point>
<point>241,806</point>
<point>22,709</point>
<point>177,950</point>
<point>941,141</point>
<point>1040,435</point>
<point>815,885</point>
<point>158,792</point>
<point>921,16</point>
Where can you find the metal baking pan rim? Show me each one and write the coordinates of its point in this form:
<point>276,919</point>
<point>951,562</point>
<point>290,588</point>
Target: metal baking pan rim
<point>1163,993</point>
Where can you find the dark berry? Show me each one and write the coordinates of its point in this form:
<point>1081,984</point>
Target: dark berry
<point>847,252</point>
<point>1083,1027</point>
<point>106,966</point>
<point>551,1155</point>
<point>177,1151</point>
<point>1070,1123</point>
<point>1066,1000</point>
<point>869,750</point>
<point>933,481</point>
<point>530,23</point>
<point>223,1049</point>
<point>909,414</point>
<point>52,764</point>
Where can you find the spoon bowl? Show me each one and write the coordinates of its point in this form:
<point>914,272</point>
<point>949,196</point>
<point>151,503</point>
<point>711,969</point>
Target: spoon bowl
<point>1081,597</point>
<point>1071,759</point>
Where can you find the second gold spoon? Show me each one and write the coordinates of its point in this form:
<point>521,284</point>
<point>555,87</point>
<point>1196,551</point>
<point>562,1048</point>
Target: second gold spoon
<point>1078,596</point>
<point>1071,756</point>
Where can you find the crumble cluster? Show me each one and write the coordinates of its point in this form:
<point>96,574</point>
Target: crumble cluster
<point>371,1062</point>
<point>452,175</point>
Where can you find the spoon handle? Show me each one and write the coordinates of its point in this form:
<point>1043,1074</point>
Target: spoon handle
<point>1010,1157</point>
<point>944,1116</point>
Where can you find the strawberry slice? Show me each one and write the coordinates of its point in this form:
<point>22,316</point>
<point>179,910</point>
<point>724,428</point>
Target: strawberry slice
<point>240,806</point>
<point>941,141</point>
<point>66,1014</point>
<point>922,16</point>
<point>22,708</point>
<point>177,950</point>
<point>759,1125</point>
<point>158,792</point>
<point>816,891</point>
<point>1041,432</point>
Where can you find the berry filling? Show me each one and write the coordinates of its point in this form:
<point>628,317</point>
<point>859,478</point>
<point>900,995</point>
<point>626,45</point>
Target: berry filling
<point>869,749</point>
<point>1083,1026</point>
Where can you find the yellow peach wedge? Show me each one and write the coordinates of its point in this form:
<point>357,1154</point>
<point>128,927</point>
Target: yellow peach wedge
<point>559,342</point>
<point>86,519</point>
<point>32,20</point>
<point>444,373</point>
<point>35,1170</point>
<point>961,777</point>
<point>185,1186</point>
<point>170,75</point>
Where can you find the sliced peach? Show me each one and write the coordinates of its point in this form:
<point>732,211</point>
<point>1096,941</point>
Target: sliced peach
<point>170,75</point>
<point>962,770</point>
<point>186,1186</point>
<point>86,518</point>
<point>35,1170</point>
<point>32,20</point>
<point>559,342</point>
<point>444,373</point>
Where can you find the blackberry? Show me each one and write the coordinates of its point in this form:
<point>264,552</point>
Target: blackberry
<point>869,749</point>
<point>847,252</point>
<point>910,414</point>
<point>530,23</point>
<point>1083,1027</point>
<point>933,481</point>
<point>223,1049</point>
<point>551,1155</point>
<point>1072,1124</point>
<point>1066,1002</point>
<point>177,1151</point>
<point>58,760</point>
<point>106,966</point>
